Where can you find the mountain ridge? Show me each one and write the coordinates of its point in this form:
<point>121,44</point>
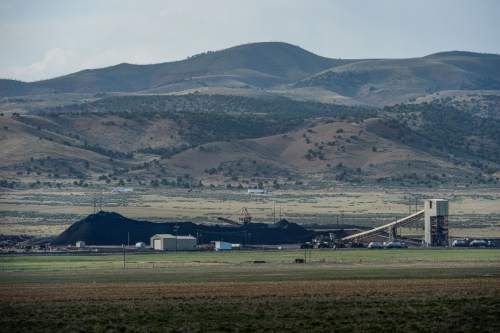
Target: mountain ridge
<point>283,69</point>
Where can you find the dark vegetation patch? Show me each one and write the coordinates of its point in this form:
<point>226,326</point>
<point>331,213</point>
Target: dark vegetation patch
<point>248,168</point>
<point>199,103</point>
<point>10,240</point>
<point>443,129</point>
<point>318,313</point>
<point>204,118</point>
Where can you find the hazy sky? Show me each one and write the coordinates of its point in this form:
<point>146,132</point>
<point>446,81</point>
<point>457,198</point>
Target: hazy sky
<point>42,39</point>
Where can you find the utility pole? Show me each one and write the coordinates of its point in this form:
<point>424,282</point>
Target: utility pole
<point>274,212</point>
<point>409,204</point>
<point>416,210</point>
<point>123,248</point>
<point>128,238</point>
<point>101,200</point>
<point>176,228</point>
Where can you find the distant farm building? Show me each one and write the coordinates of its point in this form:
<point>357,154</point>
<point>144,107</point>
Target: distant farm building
<point>80,244</point>
<point>256,191</point>
<point>168,242</point>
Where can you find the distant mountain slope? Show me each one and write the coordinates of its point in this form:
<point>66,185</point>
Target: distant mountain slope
<point>14,88</point>
<point>258,64</point>
<point>387,81</point>
<point>273,68</point>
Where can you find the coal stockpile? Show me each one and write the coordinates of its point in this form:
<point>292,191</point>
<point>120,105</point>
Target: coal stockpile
<point>108,228</point>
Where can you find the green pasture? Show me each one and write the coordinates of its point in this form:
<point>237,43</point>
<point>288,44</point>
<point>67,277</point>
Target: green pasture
<point>252,265</point>
<point>345,257</point>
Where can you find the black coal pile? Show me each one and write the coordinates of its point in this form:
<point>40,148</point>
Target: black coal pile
<point>108,228</point>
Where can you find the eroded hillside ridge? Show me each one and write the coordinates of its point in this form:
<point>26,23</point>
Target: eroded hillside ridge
<point>218,140</point>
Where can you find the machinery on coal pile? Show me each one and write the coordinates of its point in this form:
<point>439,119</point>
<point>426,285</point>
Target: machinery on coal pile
<point>244,218</point>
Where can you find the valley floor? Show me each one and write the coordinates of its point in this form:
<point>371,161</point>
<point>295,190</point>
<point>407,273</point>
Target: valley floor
<point>475,212</point>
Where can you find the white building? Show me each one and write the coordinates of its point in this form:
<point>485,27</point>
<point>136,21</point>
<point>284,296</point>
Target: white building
<point>120,189</point>
<point>223,246</point>
<point>80,244</point>
<point>168,242</point>
<point>256,191</point>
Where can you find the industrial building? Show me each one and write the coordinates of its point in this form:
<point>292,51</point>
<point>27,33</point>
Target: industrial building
<point>168,242</point>
<point>435,216</point>
<point>436,222</point>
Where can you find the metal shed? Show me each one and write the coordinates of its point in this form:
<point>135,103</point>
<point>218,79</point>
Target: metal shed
<point>169,242</point>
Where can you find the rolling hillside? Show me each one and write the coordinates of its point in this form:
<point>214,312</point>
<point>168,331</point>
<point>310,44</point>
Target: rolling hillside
<point>381,82</point>
<point>258,65</point>
<point>335,151</point>
<point>231,140</point>
<point>280,69</point>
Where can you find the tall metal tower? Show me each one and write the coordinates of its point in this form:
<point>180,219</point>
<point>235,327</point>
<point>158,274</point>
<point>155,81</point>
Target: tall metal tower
<point>436,222</point>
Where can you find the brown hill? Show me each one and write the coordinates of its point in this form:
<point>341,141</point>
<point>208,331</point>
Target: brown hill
<point>185,139</point>
<point>281,69</point>
<point>338,150</point>
<point>389,81</point>
<point>256,64</point>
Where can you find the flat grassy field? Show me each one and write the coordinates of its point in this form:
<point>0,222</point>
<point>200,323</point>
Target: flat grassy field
<point>343,291</point>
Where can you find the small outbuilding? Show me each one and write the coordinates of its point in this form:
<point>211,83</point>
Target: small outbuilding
<point>223,246</point>
<point>80,244</point>
<point>169,242</point>
<point>258,191</point>
<point>140,245</point>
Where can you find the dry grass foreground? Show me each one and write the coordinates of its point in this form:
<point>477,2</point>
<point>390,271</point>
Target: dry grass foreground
<point>419,305</point>
<point>159,290</point>
<point>405,291</point>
